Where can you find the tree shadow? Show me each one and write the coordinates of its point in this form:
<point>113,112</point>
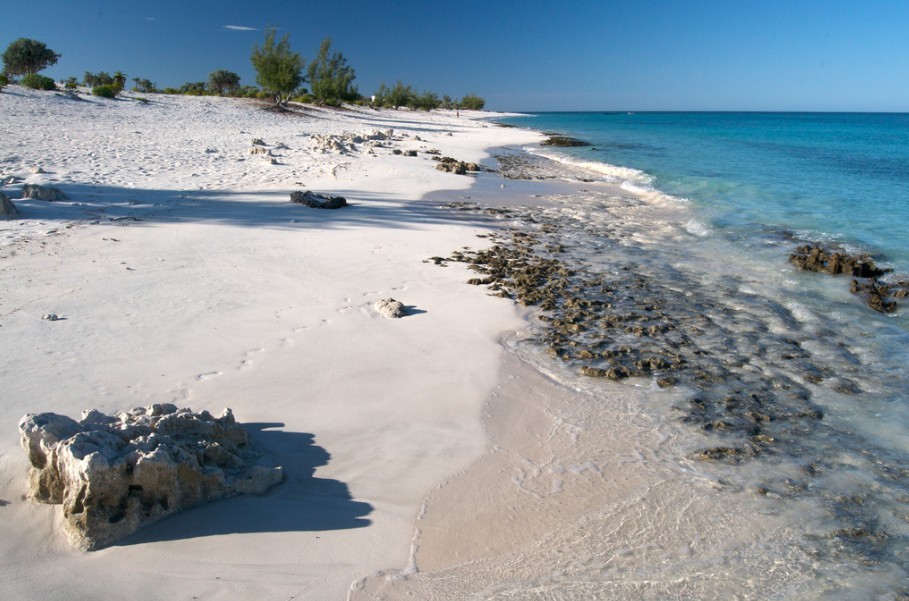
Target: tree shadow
<point>301,503</point>
<point>114,205</point>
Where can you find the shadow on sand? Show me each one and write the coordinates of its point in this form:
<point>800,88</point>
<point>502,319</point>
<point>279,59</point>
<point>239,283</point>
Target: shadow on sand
<point>301,503</point>
<point>113,205</point>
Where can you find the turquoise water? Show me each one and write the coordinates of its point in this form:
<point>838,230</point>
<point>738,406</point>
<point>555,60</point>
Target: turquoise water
<point>826,176</point>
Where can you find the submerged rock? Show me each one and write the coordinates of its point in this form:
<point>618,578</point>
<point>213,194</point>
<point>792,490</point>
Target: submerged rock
<point>115,474</point>
<point>818,259</point>
<point>563,141</point>
<point>318,201</point>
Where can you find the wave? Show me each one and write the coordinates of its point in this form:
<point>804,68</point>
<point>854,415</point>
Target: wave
<point>614,173</point>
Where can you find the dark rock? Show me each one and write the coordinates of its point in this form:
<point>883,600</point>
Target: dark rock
<point>318,201</point>
<point>563,141</point>
<point>7,209</point>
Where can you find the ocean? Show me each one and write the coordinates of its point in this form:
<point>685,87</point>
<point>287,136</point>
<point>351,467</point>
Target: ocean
<point>734,427</point>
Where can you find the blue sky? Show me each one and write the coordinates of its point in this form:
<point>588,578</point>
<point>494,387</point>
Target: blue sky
<point>520,55</point>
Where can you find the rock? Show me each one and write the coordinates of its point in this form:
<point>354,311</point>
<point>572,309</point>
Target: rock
<point>563,141</point>
<point>37,170</point>
<point>410,153</point>
<point>397,151</point>
<point>48,193</point>
<point>259,150</point>
<point>7,209</point>
<point>51,317</point>
<point>455,166</point>
<point>390,308</point>
<point>318,201</point>
<point>115,474</point>
<point>258,142</point>
<point>818,259</point>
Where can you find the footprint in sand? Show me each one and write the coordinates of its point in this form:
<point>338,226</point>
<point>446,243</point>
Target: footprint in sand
<point>247,357</point>
<point>207,375</point>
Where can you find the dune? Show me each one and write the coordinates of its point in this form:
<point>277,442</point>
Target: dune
<point>180,272</point>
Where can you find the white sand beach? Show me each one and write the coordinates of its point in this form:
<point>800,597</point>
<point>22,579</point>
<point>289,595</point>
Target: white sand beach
<point>181,273</point>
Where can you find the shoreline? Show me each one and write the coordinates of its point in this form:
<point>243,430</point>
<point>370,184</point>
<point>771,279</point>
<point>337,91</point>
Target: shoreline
<point>183,274</point>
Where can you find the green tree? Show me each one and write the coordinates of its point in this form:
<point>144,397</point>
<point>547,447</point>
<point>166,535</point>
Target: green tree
<point>472,102</point>
<point>194,88</point>
<point>119,81</point>
<point>145,86</point>
<point>4,80</point>
<point>278,68</point>
<point>398,96</point>
<point>71,83</point>
<point>25,56</point>
<point>331,77</point>
<point>223,81</point>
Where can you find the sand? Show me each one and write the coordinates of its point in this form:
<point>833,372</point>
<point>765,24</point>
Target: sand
<point>182,273</point>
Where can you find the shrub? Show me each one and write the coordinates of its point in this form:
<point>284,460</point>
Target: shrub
<point>426,101</point>
<point>26,57</point>
<point>472,102</point>
<point>223,81</point>
<point>331,77</point>
<point>37,82</point>
<point>4,80</point>
<point>193,88</point>
<point>144,85</point>
<point>105,91</point>
<point>278,68</point>
<point>71,83</point>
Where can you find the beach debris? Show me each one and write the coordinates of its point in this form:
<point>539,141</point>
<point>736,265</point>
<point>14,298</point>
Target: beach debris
<point>390,308</point>
<point>51,317</point>
<point>7,209</point>
<point>318,201</point>
<point>455,166</point>
<point>48,193</point>
<point>115,474</point>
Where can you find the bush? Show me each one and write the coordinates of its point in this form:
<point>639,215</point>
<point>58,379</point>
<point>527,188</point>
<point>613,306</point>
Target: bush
<point>472,102</point>
<point>71,83</point>
<point>105,91</point>
<point>146,86</point>
<point>278,68</point>
<point>223,82</point>
<point>27,57</point>
<point>4,80</point>
<point>37,82</point>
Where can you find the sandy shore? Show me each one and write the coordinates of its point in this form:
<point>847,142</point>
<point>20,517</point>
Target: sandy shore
<point>182,274</point>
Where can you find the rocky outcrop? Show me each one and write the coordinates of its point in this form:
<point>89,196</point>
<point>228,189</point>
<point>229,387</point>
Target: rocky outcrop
<point>390,308</point>
<point>116,474</point>
<point>812,257</point>
<point>48,193</point>
<point>7,209</point>
<point>563,141</point>
<point>455,166</point>
<point>318,201</point>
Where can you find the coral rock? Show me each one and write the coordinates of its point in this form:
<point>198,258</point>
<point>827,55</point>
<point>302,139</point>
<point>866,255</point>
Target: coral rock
<point>7,209</point>
<point>48,193</point>
<point>116,474</point>
<point>318,201</point>
<point>390,308</point>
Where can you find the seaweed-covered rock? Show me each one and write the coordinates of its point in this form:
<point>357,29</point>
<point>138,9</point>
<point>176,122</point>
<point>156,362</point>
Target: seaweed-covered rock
<point>563,141</point>
<point>116,474</point>
<point>318,201</point>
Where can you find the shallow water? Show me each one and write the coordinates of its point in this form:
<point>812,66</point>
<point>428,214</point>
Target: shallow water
<point>758,449</point>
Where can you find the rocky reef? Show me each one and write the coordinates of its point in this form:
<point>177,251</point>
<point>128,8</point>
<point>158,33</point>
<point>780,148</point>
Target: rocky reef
<point>115,474</point>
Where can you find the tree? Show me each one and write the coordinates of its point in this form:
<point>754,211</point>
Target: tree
<point>472,102</point>
<point>194,88</point>
<point>25,56</point>
<point>146,86</point>
<point>331,77</point>
<point>119,81</point>
<point>223,81</point>
<point>278,68</point>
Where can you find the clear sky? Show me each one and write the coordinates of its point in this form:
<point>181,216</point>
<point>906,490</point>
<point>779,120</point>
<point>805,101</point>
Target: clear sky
<point>524,55</point>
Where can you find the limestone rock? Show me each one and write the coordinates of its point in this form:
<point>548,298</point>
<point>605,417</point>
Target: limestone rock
<point>318,201</point>
<point>116,474</point>
<point>455,166</point>
<point>259,150</point>
<point>7,209</point>
<point>48,193</point>
<point>390,308</point>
